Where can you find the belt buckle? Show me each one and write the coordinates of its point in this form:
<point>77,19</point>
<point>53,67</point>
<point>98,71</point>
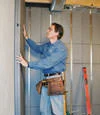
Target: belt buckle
<point>48,74</point>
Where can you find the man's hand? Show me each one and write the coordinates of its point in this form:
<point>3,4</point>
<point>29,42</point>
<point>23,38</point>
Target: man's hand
<point>22,61</point>
<point>24,32</point>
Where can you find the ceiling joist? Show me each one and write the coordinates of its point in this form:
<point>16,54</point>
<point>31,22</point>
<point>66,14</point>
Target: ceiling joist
<point>90,3</point>
<point>38,1</point>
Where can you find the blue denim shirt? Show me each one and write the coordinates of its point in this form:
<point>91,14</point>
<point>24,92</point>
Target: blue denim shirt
<point>53,56</point>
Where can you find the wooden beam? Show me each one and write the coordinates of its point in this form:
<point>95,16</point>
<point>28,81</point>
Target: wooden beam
<point>95,3</point>
<point>79,2</point>
<point>38,1</point>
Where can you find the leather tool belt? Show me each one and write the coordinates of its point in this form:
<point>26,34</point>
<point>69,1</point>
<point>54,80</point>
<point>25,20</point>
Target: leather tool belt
<point>55,86</point>
<point>52,74</point>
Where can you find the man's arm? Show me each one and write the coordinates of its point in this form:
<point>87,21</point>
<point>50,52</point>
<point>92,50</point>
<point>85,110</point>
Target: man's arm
<point>49,61</point>
<point>25,33</point>
<point>46,63</point>
<point>34,46</point>
<point>31,43</point>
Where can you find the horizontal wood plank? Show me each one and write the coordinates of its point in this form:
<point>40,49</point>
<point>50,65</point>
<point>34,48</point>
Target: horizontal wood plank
<point>95,3</point>
<point>39,1</point>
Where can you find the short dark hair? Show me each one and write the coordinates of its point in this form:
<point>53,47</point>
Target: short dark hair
<point>58,28</point>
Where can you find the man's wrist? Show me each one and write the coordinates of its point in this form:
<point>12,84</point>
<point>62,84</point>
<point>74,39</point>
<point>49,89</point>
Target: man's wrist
<point>26,37</point>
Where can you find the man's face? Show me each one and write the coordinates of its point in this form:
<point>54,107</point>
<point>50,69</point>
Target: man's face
<point>51,34</point>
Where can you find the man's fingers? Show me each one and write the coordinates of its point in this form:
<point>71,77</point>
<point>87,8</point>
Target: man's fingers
<point>19,59</point>
<point>21,55</point>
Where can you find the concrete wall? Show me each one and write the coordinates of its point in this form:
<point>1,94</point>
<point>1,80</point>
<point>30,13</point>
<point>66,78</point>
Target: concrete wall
<point>7,57</point>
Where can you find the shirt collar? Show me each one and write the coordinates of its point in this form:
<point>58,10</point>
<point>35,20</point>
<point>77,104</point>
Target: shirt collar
<point>55,43</point>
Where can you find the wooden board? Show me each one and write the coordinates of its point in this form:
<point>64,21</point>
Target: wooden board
<point>95,3</point>
<point>39,1</point>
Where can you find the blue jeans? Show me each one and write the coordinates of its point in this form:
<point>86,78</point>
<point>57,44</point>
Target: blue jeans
<point>51,105</point>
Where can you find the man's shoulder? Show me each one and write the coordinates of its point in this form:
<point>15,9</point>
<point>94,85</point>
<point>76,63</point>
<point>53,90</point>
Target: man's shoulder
<point>61,44</point>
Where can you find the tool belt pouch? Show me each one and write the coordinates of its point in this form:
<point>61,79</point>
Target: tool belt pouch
<point>39,87</point>
<point>56,87</point>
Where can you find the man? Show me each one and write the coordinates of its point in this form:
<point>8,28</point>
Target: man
<point>52,64</point>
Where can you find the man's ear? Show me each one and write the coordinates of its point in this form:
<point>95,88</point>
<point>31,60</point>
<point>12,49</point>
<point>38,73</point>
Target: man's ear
<point>57,33</point>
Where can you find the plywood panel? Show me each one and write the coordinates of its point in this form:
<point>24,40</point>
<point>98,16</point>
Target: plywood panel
<point>45,22</point>
<point>76,26</point>
<point>96,84</point>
